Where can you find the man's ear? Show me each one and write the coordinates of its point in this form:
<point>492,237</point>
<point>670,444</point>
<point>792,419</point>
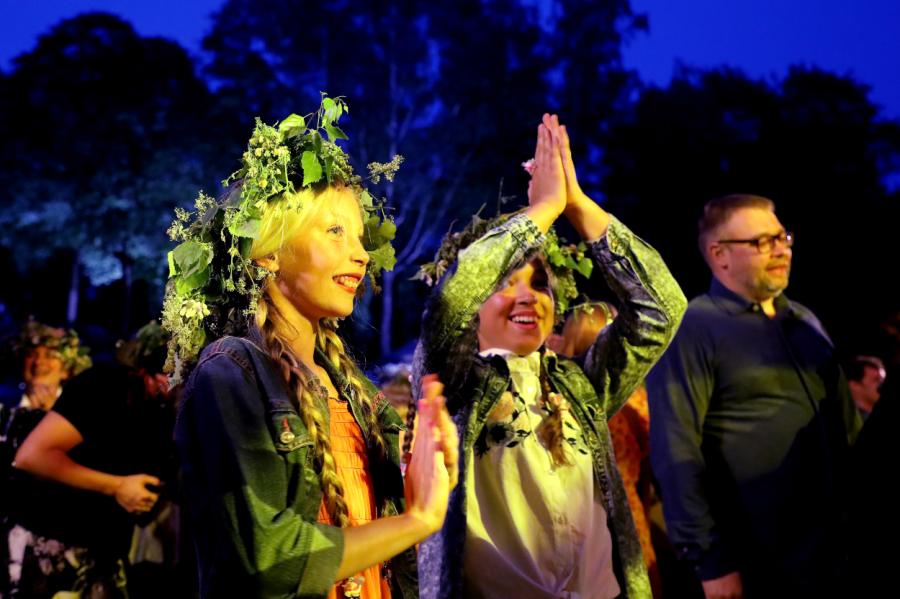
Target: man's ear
<point>270,262</point>
<point>717,255</point>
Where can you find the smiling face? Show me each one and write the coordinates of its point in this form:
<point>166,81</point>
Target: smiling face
<point>519,316</point>
<point>741,267</point>
<point>322,266</point>
<point>43,366</point>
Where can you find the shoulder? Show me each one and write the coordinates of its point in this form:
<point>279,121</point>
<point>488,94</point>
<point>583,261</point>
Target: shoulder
<point>238,349</point>
<point>700,317</point>
<point>802,311</point>
<point>232,360</point>
<point>99,382</point>
<point>806,315</point>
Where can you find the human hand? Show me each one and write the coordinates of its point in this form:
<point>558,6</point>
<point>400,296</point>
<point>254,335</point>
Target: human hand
<point>427,477</point>
<point>134,496</point>
<point>42,396</point>
<point>547,189</point>
<point>432,386</point>
<point>560,136</point>
<point>724,587</point>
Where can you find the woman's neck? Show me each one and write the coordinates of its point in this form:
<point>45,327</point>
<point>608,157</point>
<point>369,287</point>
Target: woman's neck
<point>296,329</point>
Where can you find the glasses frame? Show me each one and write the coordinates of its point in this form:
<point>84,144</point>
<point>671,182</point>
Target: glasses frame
<point>785,238</point>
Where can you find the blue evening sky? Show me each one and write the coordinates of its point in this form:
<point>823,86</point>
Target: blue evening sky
<point>762,37</point>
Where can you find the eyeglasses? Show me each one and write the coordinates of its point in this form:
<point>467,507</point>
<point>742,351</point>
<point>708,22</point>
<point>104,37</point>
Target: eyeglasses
<point>766,243</point>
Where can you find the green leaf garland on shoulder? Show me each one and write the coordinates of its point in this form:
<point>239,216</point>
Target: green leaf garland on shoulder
<point>214,286</point>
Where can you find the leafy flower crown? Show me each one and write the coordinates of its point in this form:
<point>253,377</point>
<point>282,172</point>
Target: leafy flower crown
<point>214,286</point>
<point>74,356</point>
<point>563,259</point>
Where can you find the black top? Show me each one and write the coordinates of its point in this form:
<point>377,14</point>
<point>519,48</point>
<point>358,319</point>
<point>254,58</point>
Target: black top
<point>748,439</point>
<point>124,433</point>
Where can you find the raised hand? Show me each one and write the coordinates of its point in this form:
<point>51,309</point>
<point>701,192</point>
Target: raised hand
<point>428,481</point>
<point>586,216</point>
<point>547,190</point>
<point>560,136</point>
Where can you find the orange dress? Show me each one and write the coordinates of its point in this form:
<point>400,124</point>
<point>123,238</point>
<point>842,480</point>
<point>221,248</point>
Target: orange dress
<point>349,450</point>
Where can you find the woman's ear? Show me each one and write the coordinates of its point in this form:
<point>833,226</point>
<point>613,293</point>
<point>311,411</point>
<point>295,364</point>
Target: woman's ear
<point>269,262</point>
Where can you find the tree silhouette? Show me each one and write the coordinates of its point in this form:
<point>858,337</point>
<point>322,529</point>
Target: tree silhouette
<point>456,87</point>
<point>105,133</point>
<point>813,142</point>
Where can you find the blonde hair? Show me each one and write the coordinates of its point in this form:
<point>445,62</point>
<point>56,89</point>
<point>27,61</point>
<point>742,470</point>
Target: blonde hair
<point>282,221</point>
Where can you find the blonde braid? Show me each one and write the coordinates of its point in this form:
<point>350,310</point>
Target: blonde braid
<point>309,409</point>
<point>333,347</point>
<point>550,430</point>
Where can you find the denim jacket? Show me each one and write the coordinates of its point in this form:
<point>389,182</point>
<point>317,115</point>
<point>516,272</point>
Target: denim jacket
<point>251,488</point>
<point>595,387</point>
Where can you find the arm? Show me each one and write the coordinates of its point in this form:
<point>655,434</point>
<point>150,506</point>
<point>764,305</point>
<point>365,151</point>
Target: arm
<point>651,306</point>
<point>651,302</point>
<point>45,453</point>
<point>679,390</point>
<point>481,266</point>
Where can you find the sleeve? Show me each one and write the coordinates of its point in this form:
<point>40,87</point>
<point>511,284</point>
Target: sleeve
<point>679,390</point>
<point>89,398</point>
<point>651,307</point>
<point>479,269</point>
<point>237,483</point>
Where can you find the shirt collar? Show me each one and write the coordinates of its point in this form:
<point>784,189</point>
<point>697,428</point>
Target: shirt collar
<point>733,303</point>
<point>530,363</point>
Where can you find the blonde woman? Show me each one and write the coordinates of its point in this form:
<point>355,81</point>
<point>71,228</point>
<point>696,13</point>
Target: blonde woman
<point>289,454</point>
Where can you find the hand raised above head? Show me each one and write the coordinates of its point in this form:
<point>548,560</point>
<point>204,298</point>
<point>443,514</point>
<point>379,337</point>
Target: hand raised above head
<point>547,190</point>
<point>560,136</point>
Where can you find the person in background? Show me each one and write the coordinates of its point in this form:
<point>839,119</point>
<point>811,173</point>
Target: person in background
<point>751,421</point>
<point>865,376</point>
<point>49,357</point>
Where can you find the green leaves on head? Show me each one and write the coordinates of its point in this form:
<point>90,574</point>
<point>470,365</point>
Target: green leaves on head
<point>377,239</point>
<point>312,170</point>
<point>292,126</point>
<point>190,261</point>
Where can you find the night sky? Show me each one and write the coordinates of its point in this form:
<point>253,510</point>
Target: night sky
<point>762,37</point>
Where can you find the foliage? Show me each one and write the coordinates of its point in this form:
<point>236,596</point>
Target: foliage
<point>74,356</point>
<point>214,287</point>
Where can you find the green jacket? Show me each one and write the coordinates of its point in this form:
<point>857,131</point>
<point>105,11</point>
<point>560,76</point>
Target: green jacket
<point>596,387</point>
<point>251,490</point>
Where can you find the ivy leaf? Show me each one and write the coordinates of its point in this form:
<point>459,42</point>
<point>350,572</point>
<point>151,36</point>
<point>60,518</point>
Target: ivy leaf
<point>312,170</point>
<point>248,228</point>
<point>244,246</point>
<point>292,126</point>
<point>387,230</point>
<point>317,141</point>
<point>329,169</point>
<point>185,284</point>
<point>332,111</point>
<point>382,258</point>
<point>172,270</point>
<point>585,266</point>
<point>365,199</point>
<point>379,232</point>
<point>191,257</point>
<point>334,132</point>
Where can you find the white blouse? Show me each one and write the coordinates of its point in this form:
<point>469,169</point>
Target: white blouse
<point>534,530</point>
